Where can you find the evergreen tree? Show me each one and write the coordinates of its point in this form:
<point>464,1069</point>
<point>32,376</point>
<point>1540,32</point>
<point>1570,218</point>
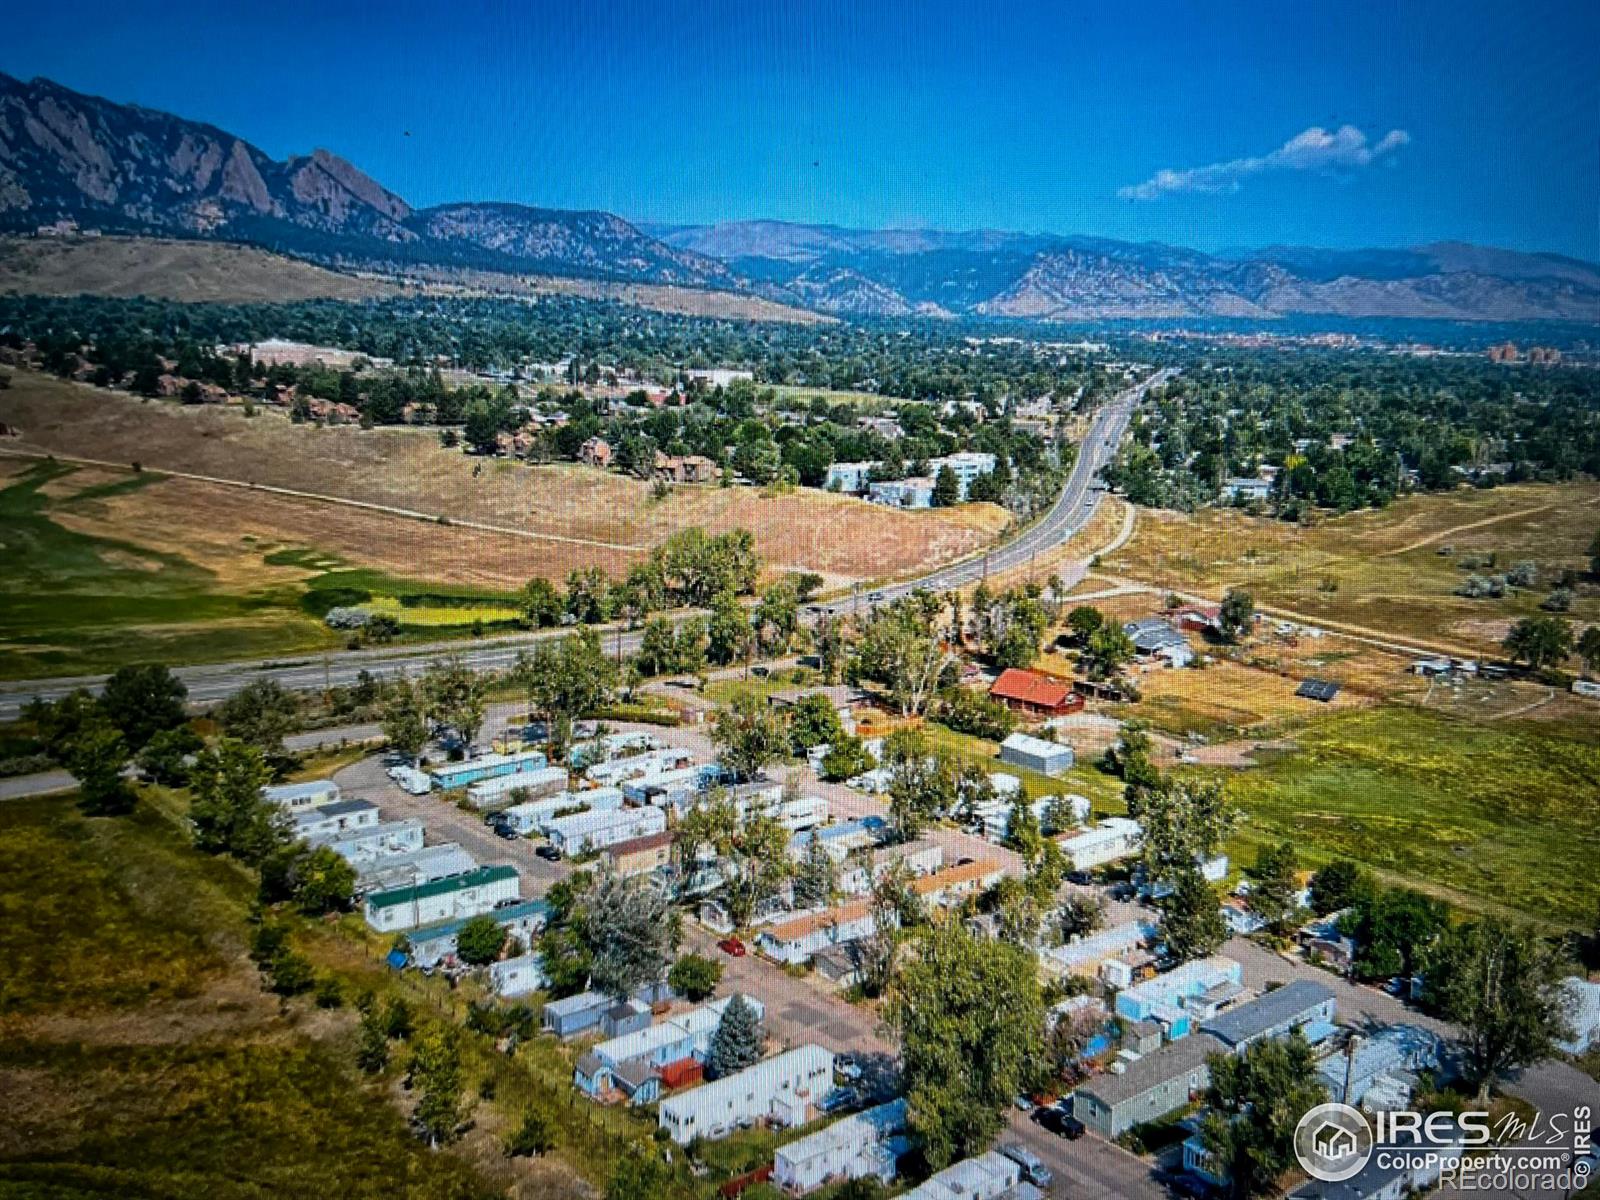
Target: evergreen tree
<point>738,1041</point>
<point>946,488</point>
<point>1191,917</point>
<point>142,701</point>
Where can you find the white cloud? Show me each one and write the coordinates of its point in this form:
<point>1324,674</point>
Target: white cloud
<point>1317,149</point>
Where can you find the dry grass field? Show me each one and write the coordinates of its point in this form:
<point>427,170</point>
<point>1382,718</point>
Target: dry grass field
<point>843,538</point>
<point>1381,570</point>
<point>171,270</point>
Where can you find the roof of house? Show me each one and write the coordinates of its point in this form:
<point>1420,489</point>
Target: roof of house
<point>799,927</point>
<point>1153,633</point>
<point>639,845</point>
<point>294,791</point>
<point>1267,1011</point>
<point>1157,1067</point>
<point>980,868</point>
<point>1026,743</point>
<point>440,887</point>
<point>1029,687</point>
<point>502,916</point>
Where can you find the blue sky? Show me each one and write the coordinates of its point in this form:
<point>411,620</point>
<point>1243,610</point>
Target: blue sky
<point>1207,124</point>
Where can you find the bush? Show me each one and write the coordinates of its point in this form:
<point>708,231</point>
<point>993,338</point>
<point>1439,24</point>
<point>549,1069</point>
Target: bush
<point>967,711</point>
<point>535,1136</point>
<point>329,993</point>
<point>695,976</point>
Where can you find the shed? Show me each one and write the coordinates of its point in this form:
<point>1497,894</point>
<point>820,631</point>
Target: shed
<point>1036,754</point>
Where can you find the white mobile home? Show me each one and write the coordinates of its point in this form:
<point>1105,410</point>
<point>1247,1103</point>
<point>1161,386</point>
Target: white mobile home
<point>518,976</point>
<point>409,869</point>
<point>523,921</point>
<point>541,781</point>
<point>783,1089</point>
<point>795,941</point>
<point>533,815</point>
<point>294,797</point>
<point>357,846</point>
<point>855,1147</point>
<point>989,1176</point>
<point>634,766</point>
<point>442,899</point>
<point>587,831</point>
<point>1113,839</point>
<point>316,825</point>
<point>489,766</point>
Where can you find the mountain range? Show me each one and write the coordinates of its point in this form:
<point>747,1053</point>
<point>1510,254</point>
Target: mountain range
<point>70,157</point>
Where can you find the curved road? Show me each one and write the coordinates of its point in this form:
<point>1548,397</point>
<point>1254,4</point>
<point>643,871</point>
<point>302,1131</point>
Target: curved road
<point>217,681</point>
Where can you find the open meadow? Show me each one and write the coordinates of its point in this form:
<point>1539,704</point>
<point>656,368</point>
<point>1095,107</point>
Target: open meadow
<point>1494,815</point>
<point>551,506</point>
<point>1382,570</point>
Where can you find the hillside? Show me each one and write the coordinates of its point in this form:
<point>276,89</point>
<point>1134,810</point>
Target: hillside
<point>69,159</point>
<point>189,271</point>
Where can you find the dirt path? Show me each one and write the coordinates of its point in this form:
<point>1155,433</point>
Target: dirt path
<point>1455,529</point>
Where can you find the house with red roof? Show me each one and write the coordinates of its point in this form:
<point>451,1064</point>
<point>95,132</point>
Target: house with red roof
<point>1031,692</point>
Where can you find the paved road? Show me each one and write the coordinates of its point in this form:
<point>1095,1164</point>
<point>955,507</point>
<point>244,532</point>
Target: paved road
<point>1071,512</point>
<point>217,681</point>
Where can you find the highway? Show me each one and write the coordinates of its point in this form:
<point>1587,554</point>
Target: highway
<point>212,682</point>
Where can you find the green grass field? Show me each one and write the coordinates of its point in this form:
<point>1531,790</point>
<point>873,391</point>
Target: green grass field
<point>1495,815</point>
<point>73,603</point>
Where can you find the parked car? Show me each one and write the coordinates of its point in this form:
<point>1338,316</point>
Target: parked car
<point>548,852</point>
<point>838,1100</point>
<point>1059,1122</point>
<point>1024,1104</point>
<point>1033,1170</point>
<point>732,946</point>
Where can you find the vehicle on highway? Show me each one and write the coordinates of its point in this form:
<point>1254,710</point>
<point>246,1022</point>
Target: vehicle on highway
<point>1033,1169</point>
<point>732,946</point>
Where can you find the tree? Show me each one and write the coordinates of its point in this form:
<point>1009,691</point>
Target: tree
<point>1274,887</point>
<point>946,488</point>
<point>1129,758</point>
<point>748,734</point>
<point>1589,647</point>
<point>1338,886</point>
<point>1185,822</point>
<point>1236,614</point>
<point>1395,928</point>
<point>454,695</point>
<point>814,721</point>
<point>922,783</point>
<point>901,648</point>
<point>165,757</point>
<point>728,633</point>
<point>1082,913</point>
<point>1255,1101</point>
<point>320,880</point>
<point>1541,642</point>
<point>372,1050</point>
<point>435,1072</point>
<point>588,595</point>
<point>1106,651</point>
<point>228,814</point>
<point>565,680</point>
<point>694,976</point>
<point>658,648</point>
<point>540,603</point>
<point>1084,620</point>
<point>967,710</point>
<point>535,1136</point>
<point>404,719</point>
<point>1012,627</point>
<point>816,877</point>
<point>738,1041</point>
<point>970,1020</point>
<point>1191,917</point>
<point>480,940</point>
<point>261,714</point>
<point>895,908</point>
<point>1594,554</point>
<point>1501,984</point>
<point>143,701</point>
<point>751,851</point>
<point>846,758</point>
<point>630,930</point>
<point>96,756</point>
<point>777,617</point>
<point>639,1174</point>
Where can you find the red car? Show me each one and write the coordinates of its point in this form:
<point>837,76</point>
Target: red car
<point>731,946</point>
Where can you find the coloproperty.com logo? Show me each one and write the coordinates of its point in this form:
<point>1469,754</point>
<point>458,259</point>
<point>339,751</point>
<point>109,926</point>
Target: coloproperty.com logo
<point>1465,1151</point>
